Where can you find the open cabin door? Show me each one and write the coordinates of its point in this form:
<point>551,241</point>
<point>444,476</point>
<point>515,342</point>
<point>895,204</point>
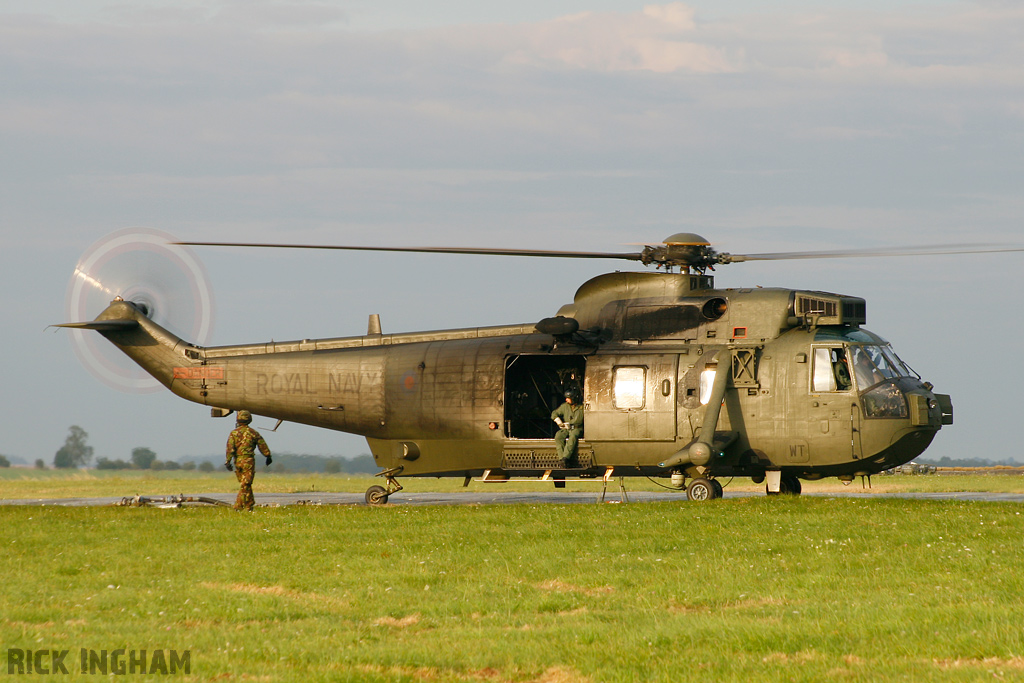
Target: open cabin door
<point>534,386</point>
<point>631,397</point>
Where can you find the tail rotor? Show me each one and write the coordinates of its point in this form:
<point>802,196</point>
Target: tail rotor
<point>140,265</point>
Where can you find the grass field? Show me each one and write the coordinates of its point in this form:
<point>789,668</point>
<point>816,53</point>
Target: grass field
<point>758,589</point>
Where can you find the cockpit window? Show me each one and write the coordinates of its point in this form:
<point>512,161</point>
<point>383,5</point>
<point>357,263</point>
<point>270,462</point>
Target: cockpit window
<point>885,400</point>
<point>836,367</point>
<point>831,370</point>
<point>873,364</point>
<point>888,362</point>
<point>856,336</point>
<point>902,368</point>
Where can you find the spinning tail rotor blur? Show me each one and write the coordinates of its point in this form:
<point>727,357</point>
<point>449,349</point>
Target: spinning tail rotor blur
<point>143,266</point>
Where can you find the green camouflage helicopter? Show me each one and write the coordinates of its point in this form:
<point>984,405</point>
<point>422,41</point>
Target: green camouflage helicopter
<point>679,380</point>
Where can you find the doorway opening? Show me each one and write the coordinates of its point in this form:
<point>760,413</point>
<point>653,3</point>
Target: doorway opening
<point>535,386</point>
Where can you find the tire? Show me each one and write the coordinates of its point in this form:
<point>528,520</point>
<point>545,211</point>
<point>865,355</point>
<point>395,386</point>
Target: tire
<point>376,495</point>
<point>719,492</point>
<point>701,489</point>
<point>789,485</point>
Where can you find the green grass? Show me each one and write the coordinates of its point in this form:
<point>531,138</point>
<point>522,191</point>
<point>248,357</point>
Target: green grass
<point>26,483</point>
<point>17,483</point>
<point>752,589</point>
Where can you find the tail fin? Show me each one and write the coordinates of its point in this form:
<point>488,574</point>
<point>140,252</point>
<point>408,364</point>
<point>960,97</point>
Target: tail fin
<point>102,325</point>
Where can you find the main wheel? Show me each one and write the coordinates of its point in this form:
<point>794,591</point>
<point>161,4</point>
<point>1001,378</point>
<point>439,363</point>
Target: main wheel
<point>719,492</point>
<point>789,485</point>
<point>376,495</point>
<point>701,489</point>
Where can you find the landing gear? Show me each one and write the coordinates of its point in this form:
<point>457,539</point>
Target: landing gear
<point>703,489</point>
<point>378,495</point>
<point>788,485</point>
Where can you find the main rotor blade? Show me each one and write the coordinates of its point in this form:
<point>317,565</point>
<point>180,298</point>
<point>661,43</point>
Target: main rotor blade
<point>430,250</point>
<point>895,251</point>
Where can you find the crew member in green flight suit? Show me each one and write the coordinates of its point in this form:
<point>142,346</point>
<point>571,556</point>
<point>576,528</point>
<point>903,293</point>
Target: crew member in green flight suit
<point>242,445</point>
<point>569,418</point>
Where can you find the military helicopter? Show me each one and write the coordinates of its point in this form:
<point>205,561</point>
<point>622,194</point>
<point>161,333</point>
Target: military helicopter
<point>679,380</point>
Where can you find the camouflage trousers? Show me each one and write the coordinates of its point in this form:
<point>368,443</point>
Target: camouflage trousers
<point>245,470</point>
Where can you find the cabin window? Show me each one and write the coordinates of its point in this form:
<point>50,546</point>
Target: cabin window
<point>707,380</point>
<point>831,370</point>
<point>628,387</point>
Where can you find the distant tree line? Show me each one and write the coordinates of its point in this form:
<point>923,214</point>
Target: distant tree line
<point>946,461</point>
<point>76,452</point>
<point>144,458</point>
<point>291,462</point>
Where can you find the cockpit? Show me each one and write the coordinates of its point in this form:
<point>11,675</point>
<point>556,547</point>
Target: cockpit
<point>860,361</point>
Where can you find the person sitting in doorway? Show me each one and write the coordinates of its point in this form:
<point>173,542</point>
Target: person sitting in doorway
<point>569,418</point>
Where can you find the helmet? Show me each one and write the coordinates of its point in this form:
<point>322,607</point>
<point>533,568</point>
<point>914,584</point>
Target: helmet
<point>244,416</point>
<point>573,394</point>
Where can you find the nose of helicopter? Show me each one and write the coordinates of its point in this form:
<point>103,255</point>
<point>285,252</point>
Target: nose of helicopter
<point>928,409</point>
<point>900,420</point>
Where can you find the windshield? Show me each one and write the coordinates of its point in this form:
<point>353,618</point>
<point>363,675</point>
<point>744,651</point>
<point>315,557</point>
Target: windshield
<point>873,364</point>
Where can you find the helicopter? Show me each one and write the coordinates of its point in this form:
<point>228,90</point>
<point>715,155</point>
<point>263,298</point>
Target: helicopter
<point>679,380</point>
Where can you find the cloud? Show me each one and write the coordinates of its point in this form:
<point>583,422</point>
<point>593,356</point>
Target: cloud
<point>651,88</point>
<point>928,47</point>
<point>265,15</point>
<point>675,14</point>
<point>660,39</point>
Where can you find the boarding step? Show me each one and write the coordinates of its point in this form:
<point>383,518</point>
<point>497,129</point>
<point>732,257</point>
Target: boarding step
<point>541,455</point>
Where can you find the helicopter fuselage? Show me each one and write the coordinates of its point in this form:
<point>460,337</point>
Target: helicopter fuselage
<point>677,378</point>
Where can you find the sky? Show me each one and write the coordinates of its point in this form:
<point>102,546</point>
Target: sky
<point>590,125</point>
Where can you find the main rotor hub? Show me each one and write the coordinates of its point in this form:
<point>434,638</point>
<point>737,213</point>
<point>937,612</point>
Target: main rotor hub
<point>683,249</point>
<point>684,239</point>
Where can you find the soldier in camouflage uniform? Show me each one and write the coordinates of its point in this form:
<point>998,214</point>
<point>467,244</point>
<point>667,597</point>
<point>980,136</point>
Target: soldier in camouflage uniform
<point>242,445</point>
<point>569,418</point>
